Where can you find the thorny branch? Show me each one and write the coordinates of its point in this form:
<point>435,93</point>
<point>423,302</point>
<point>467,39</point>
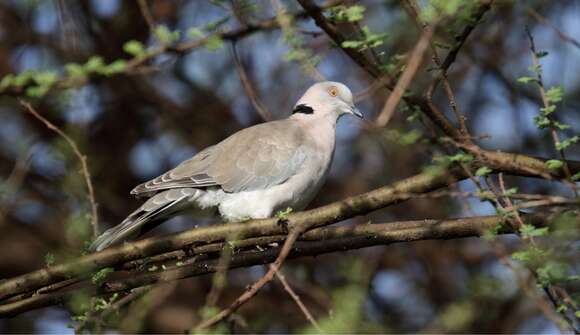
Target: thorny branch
<point>405,80</point>
<point>249,87</point>
<point>313,242</point>
<point>136,66</point>
<point>553,130</point>
<point>253,289</point>
<point>82,159</point>
<point>298,301</point>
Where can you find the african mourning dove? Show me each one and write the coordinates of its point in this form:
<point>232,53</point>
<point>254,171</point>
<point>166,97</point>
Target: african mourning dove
<point>253,173</point>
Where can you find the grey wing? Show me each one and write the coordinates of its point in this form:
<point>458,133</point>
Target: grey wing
<point>253,158</point>
<point>190,173</point>
<point>259,157</point>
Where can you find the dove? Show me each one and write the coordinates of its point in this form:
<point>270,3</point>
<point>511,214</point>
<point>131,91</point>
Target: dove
<point>251,174</point>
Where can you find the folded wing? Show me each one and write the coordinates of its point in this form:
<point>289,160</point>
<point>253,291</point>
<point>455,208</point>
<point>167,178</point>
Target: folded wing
<point>254,158</point>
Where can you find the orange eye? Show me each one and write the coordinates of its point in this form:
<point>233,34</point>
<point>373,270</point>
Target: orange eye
<point>333,91</point>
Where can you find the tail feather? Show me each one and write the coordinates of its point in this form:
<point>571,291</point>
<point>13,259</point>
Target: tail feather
<point>145,218</point>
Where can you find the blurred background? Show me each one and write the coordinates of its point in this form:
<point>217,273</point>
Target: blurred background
<point>134,127</point>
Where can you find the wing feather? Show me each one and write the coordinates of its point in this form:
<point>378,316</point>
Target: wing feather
<point>254,158</point>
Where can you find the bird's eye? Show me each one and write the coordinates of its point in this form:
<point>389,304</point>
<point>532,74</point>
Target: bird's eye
<point>333,91</point>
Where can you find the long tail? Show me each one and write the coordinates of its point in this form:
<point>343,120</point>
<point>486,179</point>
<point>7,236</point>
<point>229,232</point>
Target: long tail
<point>146,217</point>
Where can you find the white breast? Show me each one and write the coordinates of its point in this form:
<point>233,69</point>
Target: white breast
<point>296,192</point>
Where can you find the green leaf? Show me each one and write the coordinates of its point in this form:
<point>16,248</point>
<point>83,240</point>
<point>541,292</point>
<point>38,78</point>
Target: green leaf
<point>75,70</point>
<point>354,13</point>
<point>560,126</point>
<point>483,171</point>
<point>567,142</point>
<point>134,48</point>
<point>115,67</point>
<point>23,78</point>
<point>351,44</point>
<point>548,110</point>
<point>483,196</point>
<point>46,78</point>
<point>537,69</point>
<point>551,273</point>
<point>441,45</point>
<point>554,164</point>
<point>541,121</point>
<point>95,64</point>
<point>6,81</point>
<point>283,215</point>
<point>522,255</point>
<point>511,191</point>
<point>409,137</point>
<point>37,91</point>
<point>166,36</point>
<point>216,24</point>
<point>528,230</point>
<point>491,233</point>
<point>214,43</point>
<point>555,94</point>
<point>194,32</point>
<point>416,115</point>
<point>461,158</point>
<point>541,54</point>
<point>49,259</point>
<point>526,80</point>
<point>576,176</point>
<point>100,276</point>
<point>370,40</point>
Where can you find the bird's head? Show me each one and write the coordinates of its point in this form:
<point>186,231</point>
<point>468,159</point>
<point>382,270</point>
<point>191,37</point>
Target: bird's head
<point>327,99</point>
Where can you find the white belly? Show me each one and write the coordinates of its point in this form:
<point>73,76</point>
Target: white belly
<point>296,192</point>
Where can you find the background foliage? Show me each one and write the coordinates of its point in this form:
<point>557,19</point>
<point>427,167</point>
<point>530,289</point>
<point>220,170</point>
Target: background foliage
<point>139,94</point>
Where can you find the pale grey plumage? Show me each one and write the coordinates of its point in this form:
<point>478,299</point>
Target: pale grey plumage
<point>252,173</point>
<point>253,158</point>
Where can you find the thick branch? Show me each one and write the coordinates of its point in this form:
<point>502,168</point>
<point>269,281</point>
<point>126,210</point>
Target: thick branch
<point>322,216</point>
<point>315,242</point>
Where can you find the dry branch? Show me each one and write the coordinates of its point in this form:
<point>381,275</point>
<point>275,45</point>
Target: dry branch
<point>82,159</point>
<point>312,243</point>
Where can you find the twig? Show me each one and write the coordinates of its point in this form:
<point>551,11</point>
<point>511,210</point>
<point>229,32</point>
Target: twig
<point>95,316</point>
<point>13,181</point>
<point>563,36</point>
<point>147,15</point>
<point>410,71</point>
<point>298,301</point>
<point>295,231</point>
<point>82,159</point>
<point>509,202</point>
<point>249,87</point>
<point>135,65</point>
<point>219,278</point>
<point>449,59</point>
<point>331,30</point>
<point>287,28</point>
<point>553,130</point>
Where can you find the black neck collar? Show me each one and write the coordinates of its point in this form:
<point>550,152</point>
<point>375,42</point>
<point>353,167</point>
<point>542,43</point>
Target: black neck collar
<point>302,108</point>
